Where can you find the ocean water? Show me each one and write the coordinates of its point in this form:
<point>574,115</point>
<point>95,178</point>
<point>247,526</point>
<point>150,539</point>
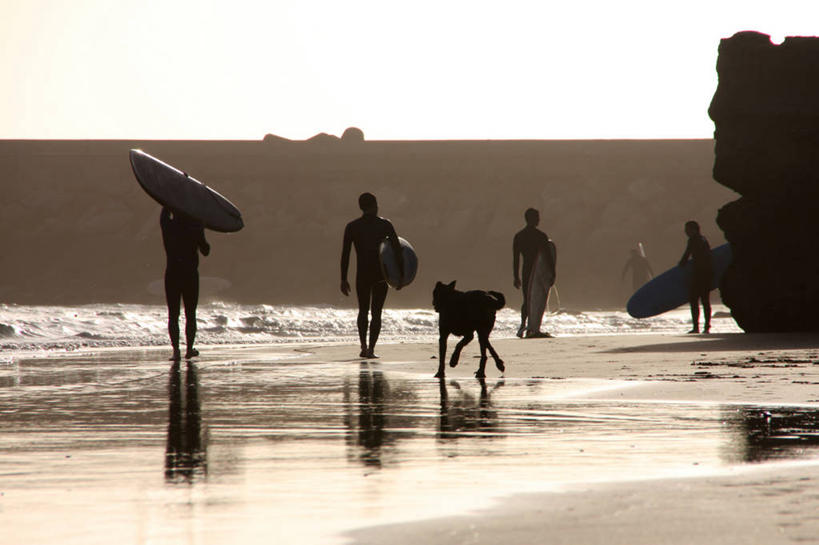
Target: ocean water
<point>121,325</point>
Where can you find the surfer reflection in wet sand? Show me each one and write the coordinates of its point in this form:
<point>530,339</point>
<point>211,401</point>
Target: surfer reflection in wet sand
<point>183,238</point>
<point>185,451</point>
<point>529,242</point>
<point>366,234</point>
<point>699,288</point>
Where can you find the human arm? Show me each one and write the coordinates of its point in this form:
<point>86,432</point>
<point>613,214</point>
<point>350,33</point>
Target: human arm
<point>686,254</point>
<point>202,243</point>
<point>625,269</point>
<point>346,246</point>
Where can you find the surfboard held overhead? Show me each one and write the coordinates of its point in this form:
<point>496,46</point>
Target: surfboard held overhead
<point>173,188</point>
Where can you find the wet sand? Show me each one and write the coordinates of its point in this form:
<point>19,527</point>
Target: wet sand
<point>615,439</point>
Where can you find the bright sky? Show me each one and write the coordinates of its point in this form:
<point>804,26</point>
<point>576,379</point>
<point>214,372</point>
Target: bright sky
<point>238,69</point>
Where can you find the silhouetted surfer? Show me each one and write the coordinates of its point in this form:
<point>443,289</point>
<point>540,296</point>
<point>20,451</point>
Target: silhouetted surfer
<point>183,238</point>
<point>366,234</point>
<point>640,269</point>
<point>700,287</point>
<point>528,242</point>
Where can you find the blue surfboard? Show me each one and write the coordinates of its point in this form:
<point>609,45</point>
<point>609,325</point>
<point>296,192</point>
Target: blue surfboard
<point>670,289</point>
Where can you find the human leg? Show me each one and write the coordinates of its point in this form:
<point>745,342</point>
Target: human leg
<point>706,309</point>
<point>379,295</point>
<point>524,309</point>
<point>173,294</point>
<point>695,315</point>
<point>190,297</point>
<point>362,290</point>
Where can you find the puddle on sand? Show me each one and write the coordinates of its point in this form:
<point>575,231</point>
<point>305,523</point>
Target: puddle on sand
<point>111,448</point>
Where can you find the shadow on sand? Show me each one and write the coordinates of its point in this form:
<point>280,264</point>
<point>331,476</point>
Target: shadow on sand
<point>728,342</point>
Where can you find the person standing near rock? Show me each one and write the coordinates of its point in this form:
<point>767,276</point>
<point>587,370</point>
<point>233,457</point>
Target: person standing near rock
<point>699,288</point>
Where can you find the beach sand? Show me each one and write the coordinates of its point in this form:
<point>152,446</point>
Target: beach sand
<point>762,502</point>
<point>595,439</point>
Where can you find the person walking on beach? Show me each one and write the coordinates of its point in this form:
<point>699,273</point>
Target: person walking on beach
<point>699,287</point>
<point>366,234</point>
<point>529,242</point>
<point>183,238</point>
<point>640,268</point>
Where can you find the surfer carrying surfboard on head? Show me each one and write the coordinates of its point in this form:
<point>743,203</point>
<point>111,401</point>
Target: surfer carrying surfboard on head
<point>539,273</point>
<point>183,238</point>
<point>366,234</point>
<point>699,286</point>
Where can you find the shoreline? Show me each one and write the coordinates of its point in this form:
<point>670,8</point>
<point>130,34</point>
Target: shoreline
<point>601,390</point>
<point>738,504</point>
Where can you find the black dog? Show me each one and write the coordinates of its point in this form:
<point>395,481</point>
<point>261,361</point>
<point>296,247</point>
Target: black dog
<point>465,313</point>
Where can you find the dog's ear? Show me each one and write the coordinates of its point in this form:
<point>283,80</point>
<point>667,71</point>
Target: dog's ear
<point>451,285</point>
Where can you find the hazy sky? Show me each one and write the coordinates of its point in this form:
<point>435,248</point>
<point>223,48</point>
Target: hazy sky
<point>238,69</point>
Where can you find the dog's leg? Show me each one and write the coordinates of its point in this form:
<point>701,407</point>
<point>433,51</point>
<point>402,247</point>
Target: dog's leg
<point>483,340</point>
<point>498,361</point>
<point>441,354</point>
<point>458,347</point>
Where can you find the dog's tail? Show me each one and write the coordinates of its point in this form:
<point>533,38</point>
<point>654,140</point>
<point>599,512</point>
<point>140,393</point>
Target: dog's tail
<point>500,299</point>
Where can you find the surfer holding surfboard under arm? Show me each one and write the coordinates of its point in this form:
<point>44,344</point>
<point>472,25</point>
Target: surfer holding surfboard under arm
<point>366,234</point>
<point>539,273</point>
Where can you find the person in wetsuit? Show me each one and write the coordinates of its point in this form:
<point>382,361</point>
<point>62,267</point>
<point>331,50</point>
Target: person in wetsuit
<point>183,238</point>
<point>527,243</point>
<point>640,269</point>
<point>366,234</point>
<point>699,288</point>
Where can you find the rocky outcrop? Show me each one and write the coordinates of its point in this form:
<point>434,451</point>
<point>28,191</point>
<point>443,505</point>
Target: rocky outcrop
<point>766,113</point>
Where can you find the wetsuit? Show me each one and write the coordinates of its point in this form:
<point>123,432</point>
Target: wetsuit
<point>183,238</point>
<point>640,270</point>
<point>528,242</point>
<point>699,287</point>
<point>366,234</point>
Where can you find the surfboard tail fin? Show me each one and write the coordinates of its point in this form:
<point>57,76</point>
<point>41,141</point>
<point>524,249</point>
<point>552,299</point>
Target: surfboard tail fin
<point>498,296</point>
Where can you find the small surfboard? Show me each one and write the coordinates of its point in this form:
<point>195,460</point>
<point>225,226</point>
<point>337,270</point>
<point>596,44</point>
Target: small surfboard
<point>670,289</point>
<point>173,188</point>
<point>389,265</point>
<point>540,282</point>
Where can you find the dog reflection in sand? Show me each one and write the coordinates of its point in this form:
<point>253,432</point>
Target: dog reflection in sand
<point>464,314</point>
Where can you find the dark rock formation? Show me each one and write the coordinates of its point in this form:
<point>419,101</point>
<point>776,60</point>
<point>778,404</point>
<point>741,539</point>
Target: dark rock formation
<point>324,138</point>
<point>766,112</point>
<point>352,134</point>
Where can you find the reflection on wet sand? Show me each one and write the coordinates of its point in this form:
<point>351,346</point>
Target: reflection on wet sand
<point>366,429</point>
<point>776,433</point>
<point>185,451</point>
<point>322,446</point>
<point>464,414</point>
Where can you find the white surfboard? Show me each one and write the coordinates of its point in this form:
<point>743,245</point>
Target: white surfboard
<point>173,188</point>
<point>389,265</point>
<point>540,282</point>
